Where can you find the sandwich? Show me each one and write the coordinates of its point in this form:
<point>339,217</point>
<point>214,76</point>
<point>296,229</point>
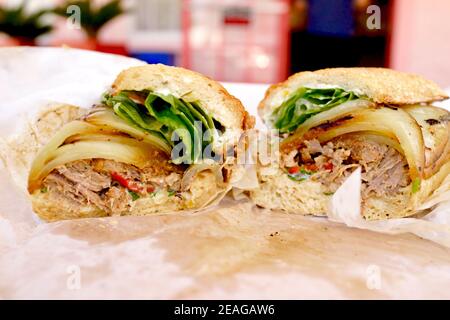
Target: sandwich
<point>162,139</point>
<point>332,121</point>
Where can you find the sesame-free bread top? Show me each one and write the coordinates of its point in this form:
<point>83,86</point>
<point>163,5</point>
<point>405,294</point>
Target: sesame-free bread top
<point>381,85</point>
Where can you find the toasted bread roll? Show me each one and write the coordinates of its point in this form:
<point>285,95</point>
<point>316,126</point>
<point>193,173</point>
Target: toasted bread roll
<point>161,140</point>
<point>334,120</point>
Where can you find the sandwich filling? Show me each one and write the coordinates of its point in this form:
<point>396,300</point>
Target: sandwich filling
<point>109,185</point>
<point>384,169</point>
<point>113,186</point>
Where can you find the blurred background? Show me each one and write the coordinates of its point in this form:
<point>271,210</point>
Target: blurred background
<point>256,41</point>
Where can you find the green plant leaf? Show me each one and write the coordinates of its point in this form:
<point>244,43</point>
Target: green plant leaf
<point>16,23</point>
<point>106,13</point>
<point>93,18</point>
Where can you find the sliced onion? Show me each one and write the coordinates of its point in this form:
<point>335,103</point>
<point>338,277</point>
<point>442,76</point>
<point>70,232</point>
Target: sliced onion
<point>70,129</point>
<point>385,121</point>
<point>435,166</point>
<point>337,112</point>
<point>436,136</point>
<point>115,137</point>
<point>123,150</point>
<point>107,118</point>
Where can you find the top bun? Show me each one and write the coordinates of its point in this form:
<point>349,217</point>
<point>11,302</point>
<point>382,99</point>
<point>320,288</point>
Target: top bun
<point>383,86</point>
<point>189,85</point>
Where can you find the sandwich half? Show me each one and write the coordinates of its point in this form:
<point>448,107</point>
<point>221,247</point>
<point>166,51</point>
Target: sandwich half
<point>162,139</point>
<point>332,121</point>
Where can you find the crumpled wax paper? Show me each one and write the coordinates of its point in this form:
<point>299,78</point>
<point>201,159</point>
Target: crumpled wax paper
<point>234,250</point>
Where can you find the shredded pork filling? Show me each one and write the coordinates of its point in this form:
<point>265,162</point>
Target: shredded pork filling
<point>112,186</point>
<point>384,170</point>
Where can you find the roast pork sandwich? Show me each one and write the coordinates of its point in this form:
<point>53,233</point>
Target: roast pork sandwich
<point>162,139</point>
<point>332,121</point>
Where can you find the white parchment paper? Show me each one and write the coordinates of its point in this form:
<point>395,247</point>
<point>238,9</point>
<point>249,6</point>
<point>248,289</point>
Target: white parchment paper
<point>232,251</point>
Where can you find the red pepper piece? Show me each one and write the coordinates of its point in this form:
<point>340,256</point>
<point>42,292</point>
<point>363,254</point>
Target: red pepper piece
<point>130,185</point>
<point>328,166</point>
<point>294,170</point>
<point>120,179</point>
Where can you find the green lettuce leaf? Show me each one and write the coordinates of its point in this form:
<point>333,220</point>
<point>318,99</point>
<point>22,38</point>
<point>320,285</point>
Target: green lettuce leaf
<point>168,110</point>
<point>128,110</point>
<point>167,116</point>
<point>305,103</point>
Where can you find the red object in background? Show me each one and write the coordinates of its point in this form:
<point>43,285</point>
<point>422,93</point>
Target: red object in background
<point>237,41</point>
<point>7,41</point>
<point>25,41</point>
<point>112,48</point>
<point>236,15</point>
<point>92,44</point>
<point>235,20</point>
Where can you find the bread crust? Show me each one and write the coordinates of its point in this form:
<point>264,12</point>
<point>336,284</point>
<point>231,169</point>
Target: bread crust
<point>381,85</point>
<point>190,85</point>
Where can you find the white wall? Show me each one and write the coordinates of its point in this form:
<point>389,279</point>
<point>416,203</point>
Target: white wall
<point>421,38</point>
